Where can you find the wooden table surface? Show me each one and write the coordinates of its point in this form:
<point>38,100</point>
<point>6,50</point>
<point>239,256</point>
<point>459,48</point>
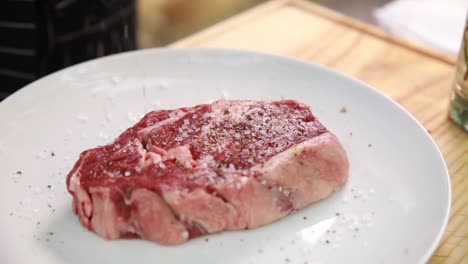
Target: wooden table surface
<point>418,79</point>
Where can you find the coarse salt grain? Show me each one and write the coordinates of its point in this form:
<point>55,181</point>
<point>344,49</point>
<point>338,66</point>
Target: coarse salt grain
<point>42,155</point>
<point>225,94</point>
<point>115,80</point>
<point>108,116</point>
<point>82,118</point>
<point>131,117</point>
<point>127,173</point>
<point>182,217</point>
<point>156,103</point>
<point>102,135</point>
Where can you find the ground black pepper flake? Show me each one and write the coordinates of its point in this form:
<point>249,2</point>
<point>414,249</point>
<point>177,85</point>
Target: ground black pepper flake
<point>38,223</point>
<point>49,186</point>
<point>287,260</point>
<point>305,217</point>
<point>11,214</point>
<point>337,214</point>
<point>19,172</point>
<point>241,240</point>
<point>328,241</point>
<point>356,229</point>
<point>226,112</point>
<point>50,206</point>
<point>51,233</point>
<point>52,154</point>
<point>343,109</point>
<point>47,240</point>
<point>370,145</point>
<point>206,240</point>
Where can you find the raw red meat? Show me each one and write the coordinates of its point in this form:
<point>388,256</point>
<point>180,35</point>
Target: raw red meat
<point>179,174</point>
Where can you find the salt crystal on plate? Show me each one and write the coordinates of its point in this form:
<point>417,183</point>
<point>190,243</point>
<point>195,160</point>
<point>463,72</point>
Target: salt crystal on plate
<point>224,94</point>
<point>156,103</point>
<point>116,79</point>
<point>163,85</point>
<point>82,118</point>
<point>108,117</point>
<point>42,155</point>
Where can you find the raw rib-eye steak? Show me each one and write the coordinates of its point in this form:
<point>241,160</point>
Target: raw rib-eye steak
<point>179,174</point>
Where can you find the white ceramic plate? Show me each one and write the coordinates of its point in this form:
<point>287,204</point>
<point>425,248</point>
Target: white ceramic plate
<point>393,210</point>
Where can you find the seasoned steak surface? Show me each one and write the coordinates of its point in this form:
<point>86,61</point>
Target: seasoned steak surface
<point>187,172</point>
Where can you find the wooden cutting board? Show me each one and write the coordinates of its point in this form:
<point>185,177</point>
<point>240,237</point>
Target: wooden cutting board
<point>417,78</point>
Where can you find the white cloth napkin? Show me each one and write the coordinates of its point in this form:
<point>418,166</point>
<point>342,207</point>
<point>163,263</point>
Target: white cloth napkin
<point>437,24</point>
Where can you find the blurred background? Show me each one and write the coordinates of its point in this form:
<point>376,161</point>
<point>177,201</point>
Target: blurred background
<point>38,37</point>
<point>164,21</point>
